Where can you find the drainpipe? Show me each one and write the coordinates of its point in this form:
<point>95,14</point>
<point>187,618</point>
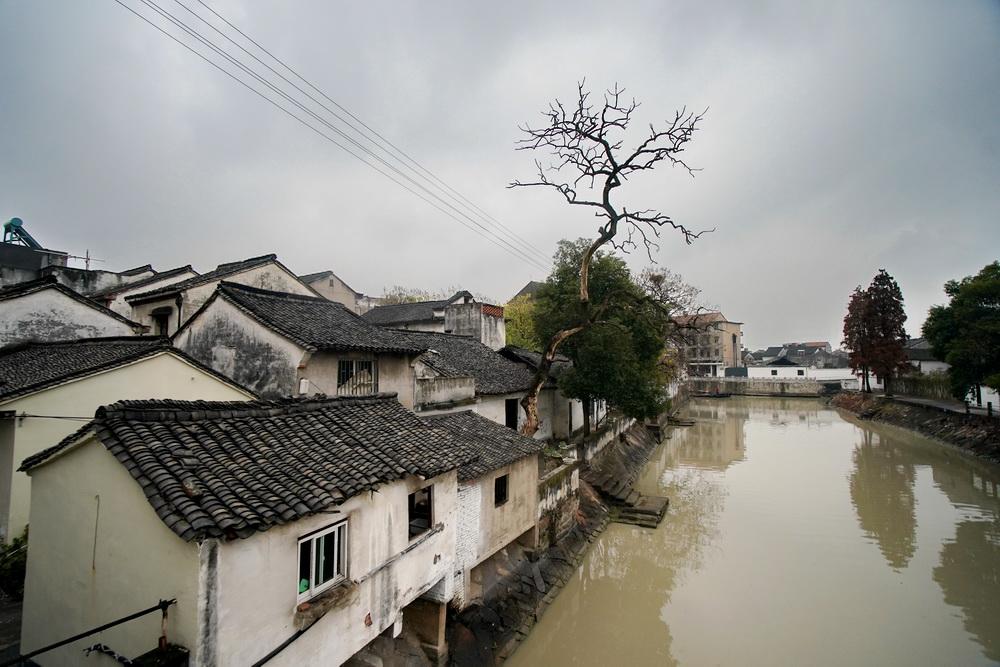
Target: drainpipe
<point>179,302</point>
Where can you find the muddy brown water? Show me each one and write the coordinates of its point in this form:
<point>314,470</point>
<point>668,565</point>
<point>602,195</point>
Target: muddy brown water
<point>796,536</point>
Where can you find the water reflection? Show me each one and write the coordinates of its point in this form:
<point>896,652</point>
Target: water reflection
<point>788,520</point>
<point>882,493</point>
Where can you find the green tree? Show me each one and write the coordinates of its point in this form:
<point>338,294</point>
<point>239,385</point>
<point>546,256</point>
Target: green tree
<point>966,332</point>
<point>618,358</point>
<point>519,318</point>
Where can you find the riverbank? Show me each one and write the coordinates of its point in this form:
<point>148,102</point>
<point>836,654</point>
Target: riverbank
<point>489,633</point>
<point>975,434</point>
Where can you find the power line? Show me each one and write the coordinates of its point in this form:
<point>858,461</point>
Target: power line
<point>386,142</point>
<point>435,202</point>
<point>201,38</point>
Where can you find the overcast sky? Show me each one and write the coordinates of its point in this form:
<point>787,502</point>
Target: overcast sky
<point>840,138</point>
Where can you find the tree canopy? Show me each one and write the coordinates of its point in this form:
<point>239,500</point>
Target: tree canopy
<point>519,318</point>
<point>966,332</point>
<point>618,358</point>
<point>874,330</point>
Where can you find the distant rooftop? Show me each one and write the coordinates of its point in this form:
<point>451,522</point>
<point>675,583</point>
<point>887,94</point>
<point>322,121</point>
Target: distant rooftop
<point>415,311</point>
<point>219,272</point>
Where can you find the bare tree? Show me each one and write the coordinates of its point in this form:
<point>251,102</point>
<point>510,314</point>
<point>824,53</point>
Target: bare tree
<point>589,165</point>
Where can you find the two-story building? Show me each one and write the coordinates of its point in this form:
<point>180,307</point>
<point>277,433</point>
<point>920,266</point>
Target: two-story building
<point>291,531</point>
<point>281,344</point>
<point>713,343</point>
<point>462,315</point>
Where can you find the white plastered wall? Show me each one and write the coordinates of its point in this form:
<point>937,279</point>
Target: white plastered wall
<point>164,375</point>
<point>99,552</point>
<point>49,315</point>
<point>255,619</point>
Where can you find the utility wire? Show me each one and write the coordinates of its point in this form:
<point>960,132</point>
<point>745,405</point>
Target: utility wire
<point>498,241</point>
<point>385,142</point>
<point>201,38</point>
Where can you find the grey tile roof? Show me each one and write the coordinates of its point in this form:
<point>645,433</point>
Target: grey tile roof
<point>29,367</point>
<point>50,282</point>
<point>230,469</point>
<point>314,322</point>
<point>463,356</point>
<point>493,444</point>
<point>530,289</point>
<point>110,291</point>
<point>415,311</point>
<point>532,359</point>
<point>219,272</point>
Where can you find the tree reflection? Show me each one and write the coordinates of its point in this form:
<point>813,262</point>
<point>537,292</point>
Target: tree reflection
<point>882,494</point>
<point>969,576</point>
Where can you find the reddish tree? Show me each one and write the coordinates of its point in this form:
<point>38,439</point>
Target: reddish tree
<point>873,330</point>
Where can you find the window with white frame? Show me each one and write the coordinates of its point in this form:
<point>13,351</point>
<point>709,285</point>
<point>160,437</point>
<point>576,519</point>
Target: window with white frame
<point>322,560</point>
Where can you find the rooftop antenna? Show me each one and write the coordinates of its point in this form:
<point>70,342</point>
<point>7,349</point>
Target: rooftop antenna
<point>15,234</point>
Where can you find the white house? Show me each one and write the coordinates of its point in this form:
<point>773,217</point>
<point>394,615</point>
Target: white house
<point>166,309</point>
<point>44,309</point>
<point>48,389</point>
<point>282,344</point>
<point>295,531</point>
<point>114,297</point>
<point>462,314</point>
<point>497,499</point>
<point>334,288</point>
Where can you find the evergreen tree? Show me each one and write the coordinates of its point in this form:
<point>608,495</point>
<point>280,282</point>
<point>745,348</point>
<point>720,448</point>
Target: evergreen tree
<point>874,332</point>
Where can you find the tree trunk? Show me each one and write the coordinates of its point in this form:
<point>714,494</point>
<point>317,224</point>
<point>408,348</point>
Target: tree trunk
<point>887,383</point>
<point>587,402</point>
<point>530,400</point>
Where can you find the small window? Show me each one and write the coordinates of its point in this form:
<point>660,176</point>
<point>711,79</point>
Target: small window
<point>420,514</point>
<point>161,320</point>
<point>357,377</point>
<point>800,372</point>
<point>322,560</point>
<point>500,490</point>
<point>774,372</point>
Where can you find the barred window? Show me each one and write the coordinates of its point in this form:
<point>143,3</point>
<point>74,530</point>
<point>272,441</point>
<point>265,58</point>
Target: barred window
<point>357,377</point>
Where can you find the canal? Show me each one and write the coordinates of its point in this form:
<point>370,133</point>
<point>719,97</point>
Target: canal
<point>795,536</point>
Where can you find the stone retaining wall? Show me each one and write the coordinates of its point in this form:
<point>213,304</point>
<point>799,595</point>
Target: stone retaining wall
<point>759,386</point>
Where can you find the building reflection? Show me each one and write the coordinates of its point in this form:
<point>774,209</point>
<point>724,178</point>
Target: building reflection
<point>718,438</point>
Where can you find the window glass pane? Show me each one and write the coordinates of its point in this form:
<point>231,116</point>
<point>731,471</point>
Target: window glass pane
<point>304,548</point>
<point>326,558</point>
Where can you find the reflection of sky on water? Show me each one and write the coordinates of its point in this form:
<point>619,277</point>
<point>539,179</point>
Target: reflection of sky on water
<point>794,536</point>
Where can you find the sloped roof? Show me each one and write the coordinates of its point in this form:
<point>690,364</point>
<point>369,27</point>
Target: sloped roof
<point>230,469</point>
<point>919,349</point>
<point>170,273</point>
<point>464,356</point>
<point>702,319</point>
<point>560,365</point>
<point>782,361</point>
<point>530,289</point>
<point>314,322</point>
<point>219,272</point>
<point>493,444</point>
<point>26,368</point>
<point>415,311</point>
<point>50,282</point>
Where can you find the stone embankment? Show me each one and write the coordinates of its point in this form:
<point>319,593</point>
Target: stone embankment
<point>760,386</point>
<point>488,633</point>
<point>975,434</point>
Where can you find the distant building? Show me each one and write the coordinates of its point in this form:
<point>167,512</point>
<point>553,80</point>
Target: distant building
<point>530,289</point>
<point>22,258</point>
<point>329,285</point>
<point>114,297</point>
<point>920,354</point>
<point>714,343</point>
<point>462,314</point>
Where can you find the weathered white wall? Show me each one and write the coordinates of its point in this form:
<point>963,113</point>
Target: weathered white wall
<point>254,618</point>
<point>395,373</point>
<point>493,408</point>
<point>161,376</point>
<point>49,315</point>
<point>267,276</point>
<point>499,526</point>
<point>335,289</point>
<point>226,339</point>
<point>469,319</point>
<point>120,306</point>
<point>99,552</point>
